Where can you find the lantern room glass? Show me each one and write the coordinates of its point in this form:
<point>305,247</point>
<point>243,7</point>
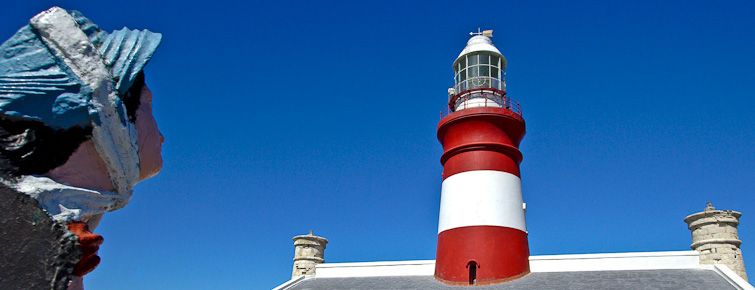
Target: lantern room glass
<point>478,70</point>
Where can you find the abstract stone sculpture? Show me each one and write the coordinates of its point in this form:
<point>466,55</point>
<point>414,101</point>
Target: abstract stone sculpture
<point>76,134</point>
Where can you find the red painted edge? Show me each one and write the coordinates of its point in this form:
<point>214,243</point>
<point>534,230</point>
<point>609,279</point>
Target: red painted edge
<point>480,139</point>
<point>480,160</point>
<point>502,254</point>
<point>491,111</point>
<point>490,119</point>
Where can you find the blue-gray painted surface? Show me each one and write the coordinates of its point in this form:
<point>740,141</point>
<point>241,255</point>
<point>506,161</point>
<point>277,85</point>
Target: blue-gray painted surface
<point>36,85</point>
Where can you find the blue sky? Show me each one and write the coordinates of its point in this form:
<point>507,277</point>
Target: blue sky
<point>286,116</point>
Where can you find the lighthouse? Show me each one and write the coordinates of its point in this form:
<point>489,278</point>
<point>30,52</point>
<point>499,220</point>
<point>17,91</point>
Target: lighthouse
<point>482,236</point>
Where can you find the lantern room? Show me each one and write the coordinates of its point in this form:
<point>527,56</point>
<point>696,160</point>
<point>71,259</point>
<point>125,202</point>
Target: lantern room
<point>479,75</point>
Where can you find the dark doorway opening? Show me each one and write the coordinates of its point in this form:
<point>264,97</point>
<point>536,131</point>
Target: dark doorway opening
<point>472,266</point>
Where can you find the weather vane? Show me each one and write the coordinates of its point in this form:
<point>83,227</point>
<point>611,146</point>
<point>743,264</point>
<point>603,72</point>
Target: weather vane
<point>488,33</point>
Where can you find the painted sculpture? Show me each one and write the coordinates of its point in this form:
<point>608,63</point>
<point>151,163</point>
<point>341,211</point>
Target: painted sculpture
<point>76,134</point>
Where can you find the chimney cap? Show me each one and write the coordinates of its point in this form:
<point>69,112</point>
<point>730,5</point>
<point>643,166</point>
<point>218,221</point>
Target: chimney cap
<point>712,215</point>
<point>311,237</point>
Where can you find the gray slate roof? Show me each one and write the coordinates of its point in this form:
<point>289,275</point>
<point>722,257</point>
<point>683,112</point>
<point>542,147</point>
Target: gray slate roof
<point>688,279</point>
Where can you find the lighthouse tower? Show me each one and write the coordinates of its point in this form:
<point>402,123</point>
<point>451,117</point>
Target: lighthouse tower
<point>482,237</point>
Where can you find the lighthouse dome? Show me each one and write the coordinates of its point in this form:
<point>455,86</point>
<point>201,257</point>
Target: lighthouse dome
<point>482,45</point>
<point>479,43</point>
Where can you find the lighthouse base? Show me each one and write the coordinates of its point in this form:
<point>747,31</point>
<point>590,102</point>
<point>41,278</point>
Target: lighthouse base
<point>481,255</point>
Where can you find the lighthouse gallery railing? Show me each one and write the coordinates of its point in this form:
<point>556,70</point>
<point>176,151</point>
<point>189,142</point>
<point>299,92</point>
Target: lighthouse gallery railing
<point>482,92</point>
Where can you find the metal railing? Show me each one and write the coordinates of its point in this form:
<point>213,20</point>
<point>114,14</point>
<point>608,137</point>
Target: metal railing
<point>480,92</point>
<point>484,98</point>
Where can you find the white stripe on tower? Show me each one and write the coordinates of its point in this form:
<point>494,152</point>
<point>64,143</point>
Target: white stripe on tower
<point>481,198</point>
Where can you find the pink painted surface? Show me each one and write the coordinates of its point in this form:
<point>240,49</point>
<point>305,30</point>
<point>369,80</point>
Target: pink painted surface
<point>150,139</point>
<point>86,169</point>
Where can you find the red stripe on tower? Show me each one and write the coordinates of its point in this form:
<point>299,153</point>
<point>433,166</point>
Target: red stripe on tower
<point>482,236</point>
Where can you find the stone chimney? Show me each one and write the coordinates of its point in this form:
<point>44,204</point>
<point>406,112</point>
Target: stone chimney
<point>714,235</point>
<point>309,250</point>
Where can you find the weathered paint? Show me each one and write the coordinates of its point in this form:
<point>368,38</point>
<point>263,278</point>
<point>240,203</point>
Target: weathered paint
<point>149,138</point>
<point>35,84</point>
<point>127,52</point>
<point>63,71</point>
<point>66,203</point>
<point>85,169</point>
<point>89,243</point>
<point>113,136</point>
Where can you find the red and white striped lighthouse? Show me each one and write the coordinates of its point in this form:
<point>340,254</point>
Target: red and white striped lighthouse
<point>482,237</point>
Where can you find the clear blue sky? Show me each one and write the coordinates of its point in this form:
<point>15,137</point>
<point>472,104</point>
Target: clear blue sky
<point>286,116</point>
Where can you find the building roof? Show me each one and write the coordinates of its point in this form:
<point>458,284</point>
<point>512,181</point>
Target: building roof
<point>605,280</point>
<point>644,270</point>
